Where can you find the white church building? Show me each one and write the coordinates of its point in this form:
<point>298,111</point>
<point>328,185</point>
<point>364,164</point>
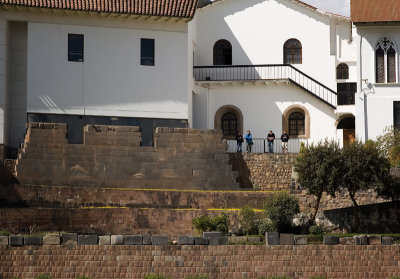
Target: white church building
<point>235,65</point>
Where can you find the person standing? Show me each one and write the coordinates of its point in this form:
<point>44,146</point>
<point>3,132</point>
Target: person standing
<point>284,139</point>
<point>249,141</point>
<point>239,141</point>
<point>271,138</point>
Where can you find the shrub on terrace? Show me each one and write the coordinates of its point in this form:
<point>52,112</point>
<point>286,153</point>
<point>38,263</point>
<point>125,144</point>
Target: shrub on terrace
<point>205,223</point>
<point>247,220</point>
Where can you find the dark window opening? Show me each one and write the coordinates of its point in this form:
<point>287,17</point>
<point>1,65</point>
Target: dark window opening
<point>391,65</point>
<point>342,71</point>
<point>380,65</point>
<point>346,93</point>
<point>229,124</point>
<point>296,124</point>
<point>147,52</point>
<point>348,123</point>
<point>396,115</point>
<point>75,47</point>
<point>222,53</point>
<point>292,52</point>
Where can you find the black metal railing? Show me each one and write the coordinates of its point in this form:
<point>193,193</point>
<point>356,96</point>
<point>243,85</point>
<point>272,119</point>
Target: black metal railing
<point>261,146</point>
<point>267,72</point>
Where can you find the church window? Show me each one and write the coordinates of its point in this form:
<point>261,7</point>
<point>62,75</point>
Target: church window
<point>342,71</point>
<point>385,61</point>
<point>292,52</point>
<point>222,53</point>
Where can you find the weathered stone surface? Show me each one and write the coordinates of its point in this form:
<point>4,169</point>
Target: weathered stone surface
<point>185,240</point>
<point>104,240</point>
<point>3,240</point>
<point>201,241</point>
<point>375,240</point>
<point>387,240</point>
<point>346,240</point>
<point>33,240</point>
<point>272,238</point>
<point>300,240</point>
<point>16,240</point>
<point>253,239</point>
<point>286,239</point>
<point>212,234</point>
<point>117,239</point>
<point>90,239</point>
<point>237,239</point>
<point>218,241</point>
<point>69,238</point>
<point>147,239</point>
<point>51,239</point>
<point>360,240</point>
<point>159,240</point>
<point>133,239</point>
<point>330,240</point>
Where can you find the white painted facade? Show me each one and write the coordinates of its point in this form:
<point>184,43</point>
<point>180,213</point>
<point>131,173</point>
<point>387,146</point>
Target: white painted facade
<point>374,105</point>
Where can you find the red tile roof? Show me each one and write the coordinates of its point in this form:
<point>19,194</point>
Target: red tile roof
<point>375,10</point>
<point>170,8</point>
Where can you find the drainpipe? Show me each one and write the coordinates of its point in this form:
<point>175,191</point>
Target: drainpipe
<point>364,94</point>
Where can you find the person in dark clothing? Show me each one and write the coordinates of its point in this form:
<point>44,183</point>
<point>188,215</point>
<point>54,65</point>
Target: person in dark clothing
<point>284,139</point>
<point>271,138</point>
<point>239,141</point>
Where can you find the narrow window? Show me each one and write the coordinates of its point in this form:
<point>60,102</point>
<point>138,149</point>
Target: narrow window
<point>396,115</point>
<point>380,66</point>
<point>342,71</point>
<point>75,47</point>
<point>147,52</point>
<point>222,53</point>
<point>296,124</point>
<point>391,65</point>
<point>385,61</point>
<point>292,52</point>
<point>229,124</point>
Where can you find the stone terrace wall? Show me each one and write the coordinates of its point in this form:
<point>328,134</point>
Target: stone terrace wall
<point>112,156</point>
<point>266,172</point>
<point>233,261</point>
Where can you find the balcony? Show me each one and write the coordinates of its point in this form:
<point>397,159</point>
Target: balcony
<point>266,73</point>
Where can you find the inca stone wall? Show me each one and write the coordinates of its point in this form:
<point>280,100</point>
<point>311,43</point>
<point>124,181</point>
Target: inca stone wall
<point>181,261</point>
<point>112,156</point>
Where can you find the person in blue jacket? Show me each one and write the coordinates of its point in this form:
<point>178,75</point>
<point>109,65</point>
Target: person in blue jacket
<point>249,141</point>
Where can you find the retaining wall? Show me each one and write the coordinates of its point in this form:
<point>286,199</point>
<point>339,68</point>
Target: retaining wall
<point>233,261</point>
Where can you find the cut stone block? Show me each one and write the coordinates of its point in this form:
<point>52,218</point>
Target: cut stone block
<point>300,240</point>
<point>346,240</point>
<point>218,241</point>
<point>185,240</point>
<point>117,239</point>
<point>286,239</point>
<point>375,240</point>
<point>272,238</point>
<point>16,240</point>
<point>387,240</point>
<point>89,239</point>
<point>104,240</point>
<point>33,240</point>
<point>147,239</point>
<point>133,239</point>
<point>3,240</point>
<point>330,240</point>
<point>69,238</point>
<point>360,240</point>
<point>51,239</point>
<point>201,241</point>
<point>253,239</point>
<point>159,240</point>
<point>212,234</point>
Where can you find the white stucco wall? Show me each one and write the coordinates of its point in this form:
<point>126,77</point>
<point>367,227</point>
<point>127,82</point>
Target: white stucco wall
<point>258,29</point>
<point>374,110</point>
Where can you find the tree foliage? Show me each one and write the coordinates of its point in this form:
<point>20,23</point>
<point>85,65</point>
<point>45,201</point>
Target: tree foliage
<point>389,145</point>
<point>218,223</point>
<point>280,209</point>
<point>318,168</point>
<point>247,220</point>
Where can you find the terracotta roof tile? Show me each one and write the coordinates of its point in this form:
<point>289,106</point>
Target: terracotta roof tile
<point>375,10</point>
<point>171,8</point>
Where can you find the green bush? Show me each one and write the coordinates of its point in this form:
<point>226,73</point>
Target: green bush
<point>247,220</point>
<point>205,223</point>
<point>315,229</point>
<point>43,276</point>
<point>395,277</point>
<point>4,233</point>
<point>204,276</point>
<point>280,209</point>
<point>318,277</point>
<point>154,276</point>
<point>265,225</point>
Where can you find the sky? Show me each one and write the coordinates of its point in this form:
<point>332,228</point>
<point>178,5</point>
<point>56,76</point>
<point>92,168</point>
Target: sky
<point>341,7</point>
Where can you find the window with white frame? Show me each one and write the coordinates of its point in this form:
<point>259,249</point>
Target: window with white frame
<point>385,61</point>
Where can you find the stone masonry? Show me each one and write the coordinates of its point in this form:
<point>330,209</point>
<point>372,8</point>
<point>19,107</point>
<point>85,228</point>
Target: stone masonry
<point>112,156</point>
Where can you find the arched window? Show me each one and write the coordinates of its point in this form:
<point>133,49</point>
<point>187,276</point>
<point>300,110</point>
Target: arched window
<point>292,52</point>
<point>296,124</point>
<point>385,61</point>
<point>222,53</point>
<point>342,71</point>
<point>229,124</point>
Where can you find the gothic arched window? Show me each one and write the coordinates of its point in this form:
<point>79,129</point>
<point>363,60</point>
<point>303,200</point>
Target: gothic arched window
<point>292,52</point>
<point>222,53</point>
<point>385,61</point>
